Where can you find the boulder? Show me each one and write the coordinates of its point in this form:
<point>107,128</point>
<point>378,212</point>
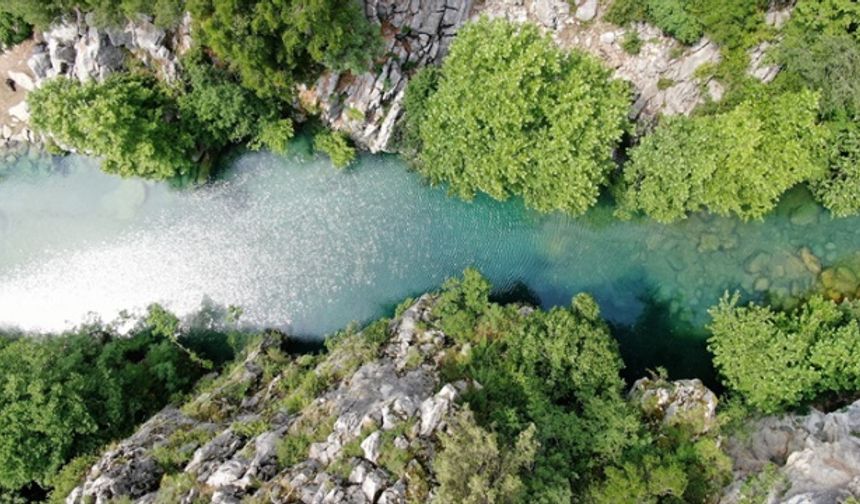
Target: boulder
<point>586,10</point>
<point>680,402</point>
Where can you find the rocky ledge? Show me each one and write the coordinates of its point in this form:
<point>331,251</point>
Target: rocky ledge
<point>361,424</point>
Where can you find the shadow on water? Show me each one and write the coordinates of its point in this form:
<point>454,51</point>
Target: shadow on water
<point>660,338</point>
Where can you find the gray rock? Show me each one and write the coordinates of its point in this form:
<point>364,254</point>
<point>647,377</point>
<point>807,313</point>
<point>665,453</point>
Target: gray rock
<point>586,10</point>
<point>373,484</point>
<point>818,455</point>
<point>686,402</point>
<point>371,445</point>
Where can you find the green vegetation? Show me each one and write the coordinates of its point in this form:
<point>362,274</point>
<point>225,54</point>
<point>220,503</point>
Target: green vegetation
<point>557,372</point>
<point>336,146</point>
<point>64,396</point>
<point>513,115</point>
<point>738,162</point>
<point>730,23</point>
<point>810,352</point>
<point>496,479</point>
<point>13,29</point>
<point>126,121</point>
<point>272,44</point>
<point>41,13</point>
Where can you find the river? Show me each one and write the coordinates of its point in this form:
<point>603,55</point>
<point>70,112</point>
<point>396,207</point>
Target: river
<point>304,247</point>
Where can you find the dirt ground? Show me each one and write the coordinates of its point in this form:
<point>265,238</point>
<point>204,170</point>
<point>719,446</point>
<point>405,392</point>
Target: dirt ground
<point>15,59</point>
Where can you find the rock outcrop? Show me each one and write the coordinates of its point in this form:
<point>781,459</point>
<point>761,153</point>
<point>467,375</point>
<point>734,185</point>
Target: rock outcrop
<point>367,106</point>
<point>77,48</point>
<point>233,434</point>
<point>686,402</point>
<point>814,458</point>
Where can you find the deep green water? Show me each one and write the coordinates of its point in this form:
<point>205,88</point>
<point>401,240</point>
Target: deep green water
<point>302,246</point>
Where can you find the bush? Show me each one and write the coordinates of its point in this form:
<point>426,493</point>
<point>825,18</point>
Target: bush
<point>513,115</point>
<point>496,479</point>
<point>66,395</point>
<point>272,44</point>
<point>13,29</point>
<point>336,146</point>
<point>778,360</point>
<point>129,121</point>
<point>838,191</point>
<point>632,44</point>
<point>674,18</point>
<point>739,162</point>
<point>42,13</point>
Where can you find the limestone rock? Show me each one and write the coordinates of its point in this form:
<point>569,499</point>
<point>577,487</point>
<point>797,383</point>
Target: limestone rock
<point>818,455</point>
<point>371,445</point>
<point>586,10</point>
<point>686,402</point>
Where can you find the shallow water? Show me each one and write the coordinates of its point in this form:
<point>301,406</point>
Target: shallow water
<point>302,246</point>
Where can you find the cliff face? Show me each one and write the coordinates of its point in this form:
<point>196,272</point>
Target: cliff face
<point>361,424</point>
<point>280,429</point>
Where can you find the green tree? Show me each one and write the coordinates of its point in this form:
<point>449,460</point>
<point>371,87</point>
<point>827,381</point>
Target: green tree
<point>777,360</point>
<point>64,396</point>
<point>271,44</point>
<point>128,120</point>
<point>336,146</point>
<point>738,162</point>
<point>513,115</point>
<point>13,29</point>
<point>496,479</point>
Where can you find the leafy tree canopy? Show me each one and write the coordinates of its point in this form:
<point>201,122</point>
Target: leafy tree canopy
<point>272,44</point>
<point>66,395</point>
<point>129,121</point>
<point>778,360</point>
<point>738,162</point>
<point>513,115</point>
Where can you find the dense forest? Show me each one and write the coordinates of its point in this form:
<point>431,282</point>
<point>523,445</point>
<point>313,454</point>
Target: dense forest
<point>508,114</point>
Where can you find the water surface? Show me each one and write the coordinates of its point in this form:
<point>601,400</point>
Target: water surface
<point>305,247</point>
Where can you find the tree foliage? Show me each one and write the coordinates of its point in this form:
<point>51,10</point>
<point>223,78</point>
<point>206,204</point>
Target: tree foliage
<point>513,115</point>
<point>42,13</point>
<point>738,162</point>
<point>13,29</point>
<point>557,372</point>
<point>129,121</point>
<point>336,146</point>
<point>496,479</point>
<point>271,44</point>
<point>65,395</point>
<point>777,360</point>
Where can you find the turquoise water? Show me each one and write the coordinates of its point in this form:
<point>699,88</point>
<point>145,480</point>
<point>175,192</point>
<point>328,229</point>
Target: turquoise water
<point>305,247</point>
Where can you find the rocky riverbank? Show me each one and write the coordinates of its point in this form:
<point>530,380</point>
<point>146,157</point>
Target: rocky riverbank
<point>369,430</point>
<point>417,33</point>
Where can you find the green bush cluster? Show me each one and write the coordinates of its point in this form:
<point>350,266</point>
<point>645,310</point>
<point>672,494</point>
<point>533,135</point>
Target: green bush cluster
<point>272,44</point>
<point>555,376</point>
<point>778,360</point>
<point>13,29</point>
<point>42,13</point>
<point>64,396</point>
<point>730,23</point>
<point>336,146</point>
<point>820,50</point>
<point>738,162</point>
<point>513,115</point>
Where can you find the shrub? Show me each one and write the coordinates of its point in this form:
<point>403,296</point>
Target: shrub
<point>496,479</point>
<point>13,29</point>
<point>738,162</point>
<point>838,189</point>
<point>272,44</point>
<point>66,395</point>
<point>632,43</point>
<point>336,146</point>
<point>778,360</point>
<point>513,115</point>
<point>126,121</point>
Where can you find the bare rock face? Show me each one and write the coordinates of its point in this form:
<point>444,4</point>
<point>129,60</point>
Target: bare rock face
<point>416,33</point>
<point>817,456</point>
<point>129,469</point>
<point>76,48</point>
<point>686,402</point>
